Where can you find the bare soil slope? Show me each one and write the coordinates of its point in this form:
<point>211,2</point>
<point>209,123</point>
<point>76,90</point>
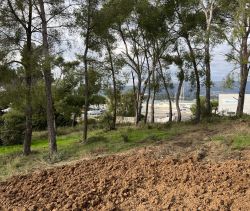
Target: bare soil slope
<point>146,179</point>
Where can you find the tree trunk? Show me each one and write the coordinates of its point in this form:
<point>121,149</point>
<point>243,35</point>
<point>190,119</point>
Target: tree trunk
<point>149,88</point>
<point>138,100</point>
<point>147,103</point>
<point>241,99</point>
<point>113,127</point>
<point>170,104</point>
<point>28,80</point>
<point>135,97</point>
<point>86,105</point>
<point>167,92</point>
<point>48,83</point>
<point>244,69</point>
<point>178,100</point>
<point>86,75</point>
<point>153,99</point>
<point>115,100</point>
<point>197,79</point>
<point>208,76</point>
<point>28,114</point>
<point>208,11</point>
<point>86,94</point>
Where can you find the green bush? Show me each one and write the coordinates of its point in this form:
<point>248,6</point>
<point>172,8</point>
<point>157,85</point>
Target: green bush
<point>62,120</point>
<point>214,106</point>
<point>39,121</point>
<point>13,129</point>
<point>107,120</point>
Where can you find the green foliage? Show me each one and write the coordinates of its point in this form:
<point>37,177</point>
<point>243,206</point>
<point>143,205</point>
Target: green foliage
<point>126,106</point>
<point>214,106</point>
<point>107,120</point>
<point>62,120</point>
<point>229,81</point>
<point>13,128</point>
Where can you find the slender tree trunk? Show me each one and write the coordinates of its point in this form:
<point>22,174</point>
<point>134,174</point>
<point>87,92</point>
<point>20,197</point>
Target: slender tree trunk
<point>28,114</point>
<point>115,101</point>
<point>147,102</point>
<point>28,80</point>
<point>138,100</point>
<point>241,99</point>
<point>208,11</point>
<point>208,76</point>
<point>114,86</point>
<point>48,82</point>
<point>153,107</point>
<point>86,74</point>
<point>146,83</point>
<point>153,99</point>
<point>244,73</point>
<point>139,110</point>
<point>197,79</point>
<point>170,104</point>
<point>149,88</point>
<point>178,99</point>
<point>135,97</point>
<point>86,94</point>
<point>167,92</point>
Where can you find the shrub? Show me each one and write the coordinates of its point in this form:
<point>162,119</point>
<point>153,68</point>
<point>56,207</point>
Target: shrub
<point>39,121</point>
<point>214,106</point>
<point>62,120</point>
<point>13,129</point>
<point>107,120</point>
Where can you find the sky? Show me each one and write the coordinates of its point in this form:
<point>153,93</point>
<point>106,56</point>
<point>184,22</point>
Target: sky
<point>219,66</point>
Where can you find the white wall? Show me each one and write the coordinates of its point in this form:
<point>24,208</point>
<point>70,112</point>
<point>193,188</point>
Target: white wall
<point>229,102</point>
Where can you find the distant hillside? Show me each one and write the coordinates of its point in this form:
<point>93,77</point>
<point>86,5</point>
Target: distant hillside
<point>216,89</point>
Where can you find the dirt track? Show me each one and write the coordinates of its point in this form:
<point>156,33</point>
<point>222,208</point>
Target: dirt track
<point>142,180</point>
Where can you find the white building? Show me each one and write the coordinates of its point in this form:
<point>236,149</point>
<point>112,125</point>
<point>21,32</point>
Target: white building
<point>228,104</point>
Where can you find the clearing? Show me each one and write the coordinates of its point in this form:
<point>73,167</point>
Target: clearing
<point>187,167</point>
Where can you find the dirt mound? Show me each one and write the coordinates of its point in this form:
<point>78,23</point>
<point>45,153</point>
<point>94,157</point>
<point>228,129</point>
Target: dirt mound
<point>140,181</point>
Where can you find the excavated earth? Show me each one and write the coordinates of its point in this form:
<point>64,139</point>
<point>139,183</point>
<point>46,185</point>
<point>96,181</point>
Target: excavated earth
<point>146,179</point>
<point>190,172</point>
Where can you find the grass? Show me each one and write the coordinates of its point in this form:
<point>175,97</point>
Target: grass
<point>102,142</point>
<point>241,141</point>
<point>70,147</point>
<point>238,136</point>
